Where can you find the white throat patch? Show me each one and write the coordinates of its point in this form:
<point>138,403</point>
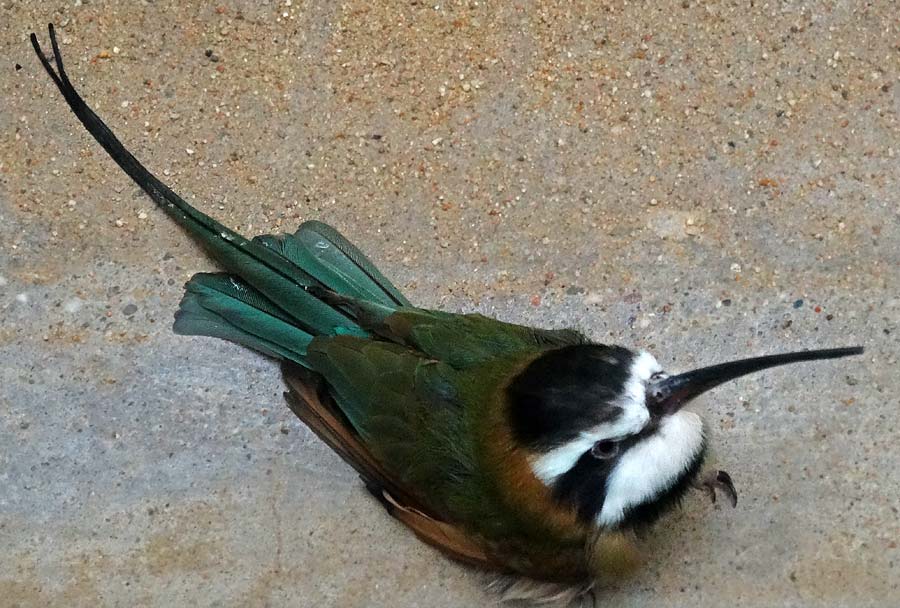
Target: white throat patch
<point>652,465</point>
<point>547,467</point>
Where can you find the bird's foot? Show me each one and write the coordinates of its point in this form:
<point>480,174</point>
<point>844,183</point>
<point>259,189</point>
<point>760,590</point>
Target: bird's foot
<point>713,480</point>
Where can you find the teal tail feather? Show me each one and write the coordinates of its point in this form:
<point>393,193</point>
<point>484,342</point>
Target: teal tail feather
<point>226,306</point>
<point>268,298</point>
<point>222,306</point>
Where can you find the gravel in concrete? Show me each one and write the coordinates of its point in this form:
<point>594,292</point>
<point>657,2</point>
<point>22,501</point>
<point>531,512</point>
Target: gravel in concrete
<point>704,180</point>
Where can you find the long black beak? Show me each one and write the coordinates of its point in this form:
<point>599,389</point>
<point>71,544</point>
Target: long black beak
<point>668,395</point>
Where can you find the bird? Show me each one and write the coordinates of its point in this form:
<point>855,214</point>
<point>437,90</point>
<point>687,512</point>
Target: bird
<point>535,454</point>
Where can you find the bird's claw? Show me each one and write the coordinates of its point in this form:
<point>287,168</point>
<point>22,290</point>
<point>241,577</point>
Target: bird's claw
<point>714,480</point>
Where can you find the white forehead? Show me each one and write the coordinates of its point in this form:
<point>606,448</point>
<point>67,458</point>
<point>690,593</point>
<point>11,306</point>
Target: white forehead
<point>547,467</point>
<point>633,400</point>
<point>644,366</point>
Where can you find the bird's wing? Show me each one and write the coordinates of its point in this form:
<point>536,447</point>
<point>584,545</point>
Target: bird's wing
<point>310,400</point>
<point>405,409</point>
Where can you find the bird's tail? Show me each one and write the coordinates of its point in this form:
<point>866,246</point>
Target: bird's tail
<point>228,306</point>
<point>270,297</point>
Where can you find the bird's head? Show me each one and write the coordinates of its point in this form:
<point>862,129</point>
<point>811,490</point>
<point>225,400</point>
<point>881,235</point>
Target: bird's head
<point>605,429</point>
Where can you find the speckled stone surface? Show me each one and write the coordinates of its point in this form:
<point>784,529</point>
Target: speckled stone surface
<point>703,180</point>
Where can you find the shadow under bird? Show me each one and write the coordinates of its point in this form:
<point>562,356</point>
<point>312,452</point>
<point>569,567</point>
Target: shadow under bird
<point>520,451</point>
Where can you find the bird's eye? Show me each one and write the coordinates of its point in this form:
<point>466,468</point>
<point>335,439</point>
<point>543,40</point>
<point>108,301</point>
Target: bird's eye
<point>605,449</point>
<point>659,376</point>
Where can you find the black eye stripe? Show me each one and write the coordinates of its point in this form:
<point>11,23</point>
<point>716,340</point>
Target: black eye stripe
<point>584,485</point>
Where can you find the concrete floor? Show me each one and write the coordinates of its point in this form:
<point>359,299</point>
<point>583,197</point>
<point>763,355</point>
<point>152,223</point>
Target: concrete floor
<point>704,180</point>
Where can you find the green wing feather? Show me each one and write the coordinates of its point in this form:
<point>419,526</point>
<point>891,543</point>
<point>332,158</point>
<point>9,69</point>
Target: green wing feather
<point>411,413</point>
